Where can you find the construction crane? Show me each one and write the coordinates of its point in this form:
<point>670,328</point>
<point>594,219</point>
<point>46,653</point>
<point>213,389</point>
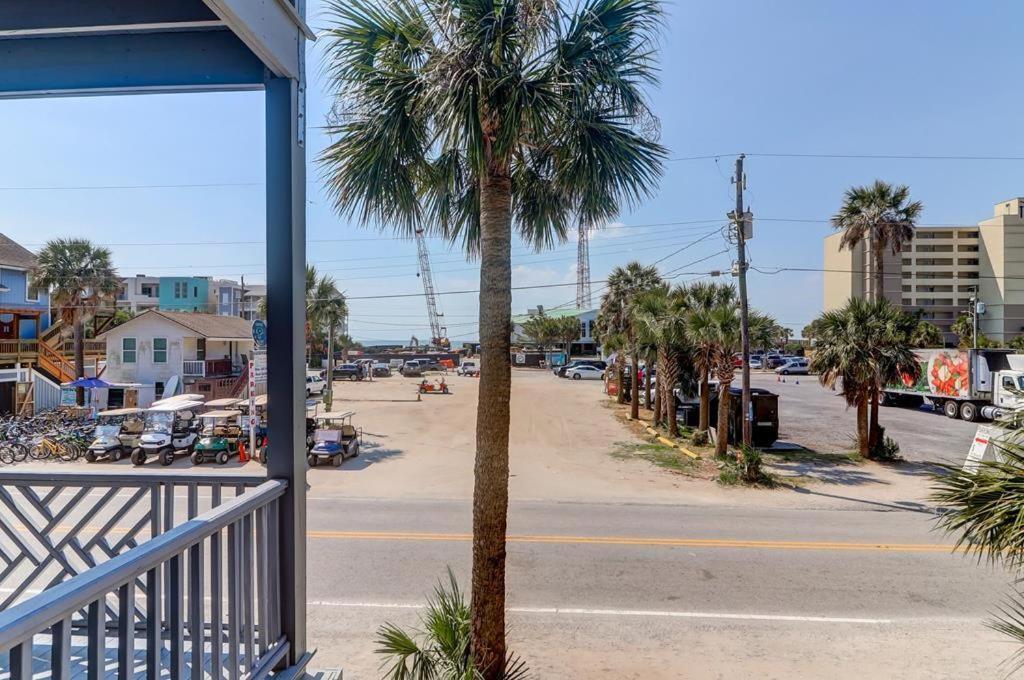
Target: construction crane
<point>438,332</point>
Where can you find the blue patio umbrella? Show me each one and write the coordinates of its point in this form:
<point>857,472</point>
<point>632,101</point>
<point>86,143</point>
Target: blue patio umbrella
<point>88,382</point>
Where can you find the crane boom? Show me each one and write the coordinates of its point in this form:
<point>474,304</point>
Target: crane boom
<point>439,334</point>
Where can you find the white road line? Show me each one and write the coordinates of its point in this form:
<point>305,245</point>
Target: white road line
<point>644,613</point>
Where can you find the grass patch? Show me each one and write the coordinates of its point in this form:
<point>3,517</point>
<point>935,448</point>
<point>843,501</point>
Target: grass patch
<point>814,457</point>
<point>658,454</point>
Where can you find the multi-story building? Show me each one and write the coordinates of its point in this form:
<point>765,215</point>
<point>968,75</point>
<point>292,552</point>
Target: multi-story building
<point>227,297</point>
<point>584,346</point>
<point>252,299</point>
<point>940,269</point>
<point>139,293</point>
<point>185,294</point>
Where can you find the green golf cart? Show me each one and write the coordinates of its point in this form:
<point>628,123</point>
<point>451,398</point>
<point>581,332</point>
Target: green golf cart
<point>219,438</point>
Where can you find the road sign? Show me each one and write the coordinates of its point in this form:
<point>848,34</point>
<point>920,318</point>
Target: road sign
<point>986,442</point>
<point>259,332</point>
<point>259,366</point>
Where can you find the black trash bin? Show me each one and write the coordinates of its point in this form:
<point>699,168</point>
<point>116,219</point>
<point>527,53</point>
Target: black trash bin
<point>765,405</point>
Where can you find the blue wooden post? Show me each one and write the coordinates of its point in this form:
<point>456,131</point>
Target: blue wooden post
<point>286,318</point>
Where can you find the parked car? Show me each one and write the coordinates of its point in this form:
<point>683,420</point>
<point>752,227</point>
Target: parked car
<point>795,366</point>
<point>432,365</point>
<point>562,371</point>
<point>756,361</point>
<point>349,371</point>
<point>315,385</point>
<point>396,364</point>
<point>469,367</point>
<point>412,368</point>
<point>585,372</point>
<point>776,360</point>
<point>381,370</point>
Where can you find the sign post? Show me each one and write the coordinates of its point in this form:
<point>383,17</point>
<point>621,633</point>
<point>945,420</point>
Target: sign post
<point>257,373</point>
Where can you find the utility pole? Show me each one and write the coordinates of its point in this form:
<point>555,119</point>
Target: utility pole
<point>740,219</point>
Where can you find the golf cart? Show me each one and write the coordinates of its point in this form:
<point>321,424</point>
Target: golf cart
<point>427,387</point>
<point>117,433</point>
<point>169,427</point>
<point>219,438</point>
<point>335,438</point>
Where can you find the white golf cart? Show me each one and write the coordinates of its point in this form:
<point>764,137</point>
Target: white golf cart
<point>170,427</point>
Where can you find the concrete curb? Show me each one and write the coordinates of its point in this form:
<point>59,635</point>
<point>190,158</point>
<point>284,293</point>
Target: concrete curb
<point>668,442</point>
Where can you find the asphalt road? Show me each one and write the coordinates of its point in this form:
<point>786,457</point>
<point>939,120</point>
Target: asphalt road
<point>818,419</point>
<point>662,591</point>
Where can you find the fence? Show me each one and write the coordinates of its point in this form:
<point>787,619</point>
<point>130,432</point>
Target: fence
<point>147,605</point>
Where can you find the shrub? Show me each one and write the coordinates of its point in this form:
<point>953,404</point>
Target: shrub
<point>441,651</point>
<point>699,438</point>
<point>745,467</point>
<point>887,450</point>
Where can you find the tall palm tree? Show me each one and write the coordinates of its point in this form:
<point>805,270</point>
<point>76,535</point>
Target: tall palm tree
<point>722,325</point>
<point>468,118</point>
<point>80,278</point>
<point>624,285</point>
<point>660,316</point>
<point>327,309</point>
<point>883,217</point>
<point>701,298</point>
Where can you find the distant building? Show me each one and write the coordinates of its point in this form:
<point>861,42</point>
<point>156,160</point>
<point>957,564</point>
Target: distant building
<point>227,297</point>
<point>185,294</point>
<point>252,299</point>
<point>139,293</point>
<point>585,345</point>
<point>940,269</point>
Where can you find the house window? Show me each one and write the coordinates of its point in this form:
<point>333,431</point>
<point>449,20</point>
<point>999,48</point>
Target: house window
<point>180,290</point>
<point>200,349</point>
<point>195,291</point>
<point>31,292</point>
<point>159,350</point>
<point>128,353</point>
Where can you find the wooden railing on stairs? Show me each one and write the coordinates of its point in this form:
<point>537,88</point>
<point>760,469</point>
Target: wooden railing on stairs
<point>54,363</point>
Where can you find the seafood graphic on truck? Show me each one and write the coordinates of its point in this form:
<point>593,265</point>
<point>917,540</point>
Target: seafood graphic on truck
<point>962,383</point>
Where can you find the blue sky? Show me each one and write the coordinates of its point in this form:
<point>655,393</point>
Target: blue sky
<point>796,77</point>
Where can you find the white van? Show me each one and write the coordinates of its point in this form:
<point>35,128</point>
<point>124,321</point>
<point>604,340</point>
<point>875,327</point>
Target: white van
<point>469,367</point>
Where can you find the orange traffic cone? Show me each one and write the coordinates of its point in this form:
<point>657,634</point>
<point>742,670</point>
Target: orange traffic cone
<point>242,456</point>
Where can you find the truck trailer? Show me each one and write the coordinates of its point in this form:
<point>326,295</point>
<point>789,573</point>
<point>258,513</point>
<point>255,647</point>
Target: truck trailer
<point>963,383</point>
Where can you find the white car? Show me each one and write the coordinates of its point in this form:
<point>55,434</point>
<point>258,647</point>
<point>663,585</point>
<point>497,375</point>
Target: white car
<point>314,385</point>
<point>796,366</point>
<point>585,373</point>
<point>468,367</point>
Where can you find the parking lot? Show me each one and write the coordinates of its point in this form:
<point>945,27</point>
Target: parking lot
<point>818,419</point>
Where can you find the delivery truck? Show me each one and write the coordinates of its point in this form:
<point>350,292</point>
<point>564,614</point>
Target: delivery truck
<point>963,383</point>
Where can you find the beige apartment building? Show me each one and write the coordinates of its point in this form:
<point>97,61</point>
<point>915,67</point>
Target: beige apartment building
<point>940,268</point>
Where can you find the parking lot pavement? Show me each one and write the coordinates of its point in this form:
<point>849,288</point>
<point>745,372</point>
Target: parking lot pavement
<point>817,418</point>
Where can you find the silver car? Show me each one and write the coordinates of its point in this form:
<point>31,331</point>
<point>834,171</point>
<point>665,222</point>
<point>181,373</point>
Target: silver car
<point>795,366</point>
<point>584,373</point>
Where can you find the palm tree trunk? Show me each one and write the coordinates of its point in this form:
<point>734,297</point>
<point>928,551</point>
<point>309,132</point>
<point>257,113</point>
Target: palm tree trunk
<point>620,375</point>
<point>647,386</point>
<point>874,431</point>
<point>705,400</point>
<point>668,377</point>
<point>490,488</point>
<point>879,271</point>
<point>634,383</point>
<point>79,332</point>
<point>722,434</point>
<point>862,427</point>
<point>659,389</point>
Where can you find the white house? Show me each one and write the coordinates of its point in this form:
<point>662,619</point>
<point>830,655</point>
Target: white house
<point>206,352</point>
<point>584,346</point>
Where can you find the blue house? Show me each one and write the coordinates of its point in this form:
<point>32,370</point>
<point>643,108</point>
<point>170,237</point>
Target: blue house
<point>185,294</point>
<point>24,310</point>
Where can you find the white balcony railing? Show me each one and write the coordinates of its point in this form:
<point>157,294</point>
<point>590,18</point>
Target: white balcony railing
<point>194,369</point>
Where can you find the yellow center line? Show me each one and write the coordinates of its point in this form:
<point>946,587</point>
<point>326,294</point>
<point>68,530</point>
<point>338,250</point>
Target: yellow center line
<point>641,541</point>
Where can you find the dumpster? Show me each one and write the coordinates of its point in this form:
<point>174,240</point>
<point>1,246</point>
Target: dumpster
<point>765,425</point>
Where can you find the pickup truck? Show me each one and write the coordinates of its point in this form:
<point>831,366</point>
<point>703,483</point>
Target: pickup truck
<point>963,383</point>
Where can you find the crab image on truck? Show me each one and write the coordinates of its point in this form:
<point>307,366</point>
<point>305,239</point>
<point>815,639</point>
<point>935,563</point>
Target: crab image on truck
<point>963,383</point>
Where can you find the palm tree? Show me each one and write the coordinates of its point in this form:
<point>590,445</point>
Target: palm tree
<point>80,278</point>
<point>326,309</point>
<point>863,346</point>
<point>722,325</point>
<point>882,217</point>
<point>983,506</point>
<point>701,298</point>
<point>925,334</point>
<point>470,118</point>
<point>624,285</point>
<point>660,316</point>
